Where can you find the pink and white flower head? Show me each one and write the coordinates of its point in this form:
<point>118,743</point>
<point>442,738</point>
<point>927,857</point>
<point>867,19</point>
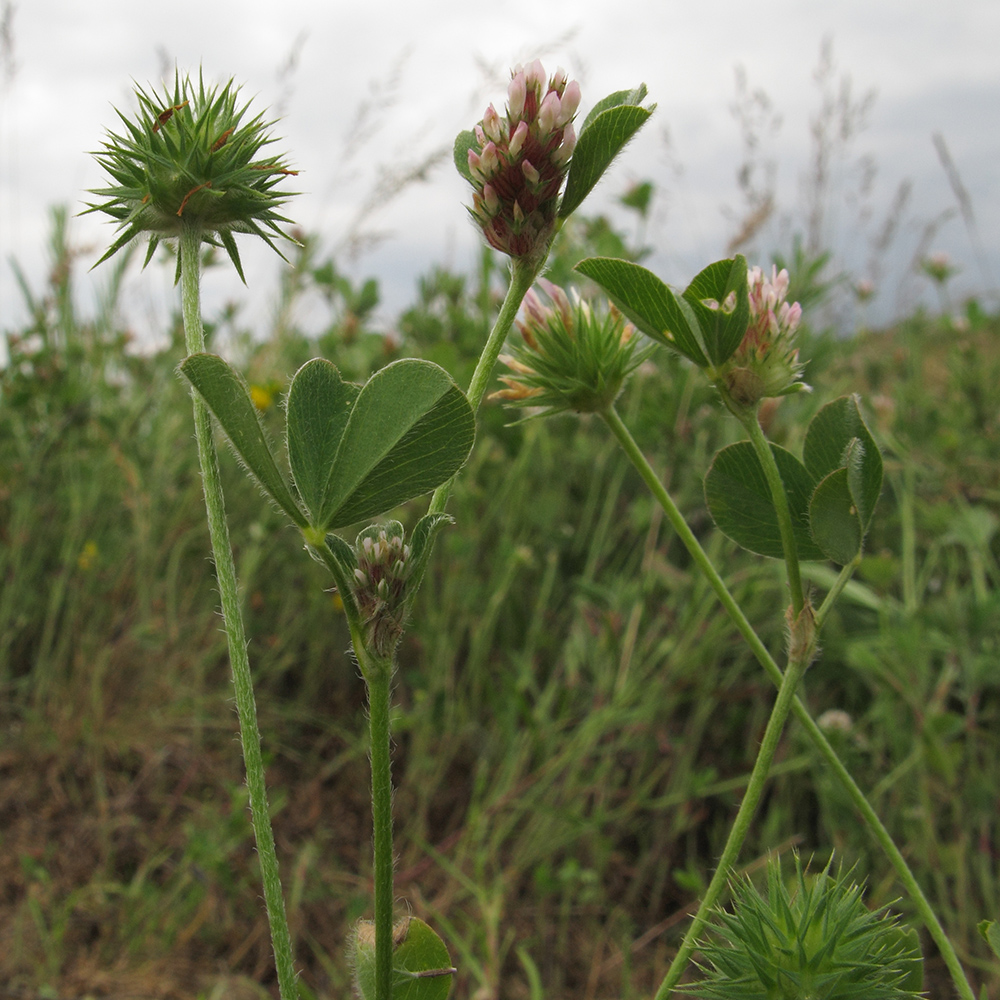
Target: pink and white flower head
<point>766,364</point>
<point>938,267</point>
<point>519,161</point>
<point>771,317</point>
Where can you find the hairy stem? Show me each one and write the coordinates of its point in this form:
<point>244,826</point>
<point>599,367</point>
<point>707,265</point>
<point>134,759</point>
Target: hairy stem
<point>691,543</point>
<point>378,675</point>
<point>522,276</point>
<point>225,570</point>
<point>815,734</point>
<point>741,825</point>
<point>780,500</point>
<point>378,671</point>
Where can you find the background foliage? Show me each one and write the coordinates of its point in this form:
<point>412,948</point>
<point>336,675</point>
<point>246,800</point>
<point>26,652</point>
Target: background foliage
<point>575,716</point>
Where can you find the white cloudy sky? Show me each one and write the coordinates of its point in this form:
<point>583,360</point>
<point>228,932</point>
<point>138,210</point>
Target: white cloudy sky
<point>428,70</point>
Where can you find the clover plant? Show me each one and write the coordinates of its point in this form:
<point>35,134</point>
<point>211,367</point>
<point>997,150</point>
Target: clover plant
<point>192,166</point>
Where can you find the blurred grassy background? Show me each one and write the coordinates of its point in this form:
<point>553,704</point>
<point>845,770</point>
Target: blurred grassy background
<point>575,718</point>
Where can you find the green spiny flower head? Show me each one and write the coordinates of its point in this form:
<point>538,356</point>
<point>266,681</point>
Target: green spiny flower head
<point>192,157</point>
<point>572,357</point>
<point>814,941</point>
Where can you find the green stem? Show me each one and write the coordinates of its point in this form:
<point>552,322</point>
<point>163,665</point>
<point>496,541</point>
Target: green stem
<point>905,488</point>
<point>522,276</point>
<point>345,586</point>
<point>843,578</point>
<point>815,734</point>
<point>875,825</point>
<point>691,543</point>
<point>783,704</point>
<point>378,674</point>
<point>741,825</point>
<point>194,336</point>
<point>378,671</point>
<point>780,499</point>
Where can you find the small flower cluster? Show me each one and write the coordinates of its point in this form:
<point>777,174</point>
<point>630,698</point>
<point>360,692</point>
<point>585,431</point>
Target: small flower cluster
<point>772,318</point>
<point>938,267</point>
<point>864,290</point>
<point>572,359</point>
<point>766,363</point>
<point>383,569</point>
<point>518,161</point>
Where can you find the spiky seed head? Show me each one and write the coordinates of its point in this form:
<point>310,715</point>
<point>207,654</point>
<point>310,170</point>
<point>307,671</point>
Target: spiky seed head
<point>810,939</point>
<point>193,156</point>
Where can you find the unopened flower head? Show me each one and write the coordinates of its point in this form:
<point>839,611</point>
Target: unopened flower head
<point>192,157</point>
<point>383,569</point>
<point>766,363</point>
<point>938,267</point>
<point>572,356</point>
<point>864,290</point>
<point>518,161</point>
<point>835,720</point>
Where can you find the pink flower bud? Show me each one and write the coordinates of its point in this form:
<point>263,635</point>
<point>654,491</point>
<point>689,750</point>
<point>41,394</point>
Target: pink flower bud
<point>534,76</point>
<point>474,167</point>
<point>548,113</point>
<point>560,300</point>
<point>492,125</point>
<point>490,199</point>
<point>569,102</point>
<point>516,93</point>
<point>530,172</point>
<point>561,156</point>
<point>534,307</point>
<point>517,139</point>
<point>864,289</point>
<point>489,162</point>
<point>558,81</point>
<point>766,364</point>
<point>792,315</point>
<point>572,358</point>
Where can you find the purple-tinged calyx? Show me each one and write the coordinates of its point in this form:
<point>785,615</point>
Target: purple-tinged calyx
<point>523,157</point>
